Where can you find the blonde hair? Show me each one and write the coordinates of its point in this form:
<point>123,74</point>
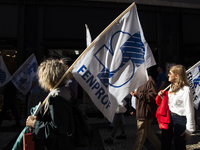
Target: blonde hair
<point>50,72</point>
<point>181,81</point>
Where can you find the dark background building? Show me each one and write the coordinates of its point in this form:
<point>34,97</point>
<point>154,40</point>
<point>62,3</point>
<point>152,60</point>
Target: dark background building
<point>54,28</point>
<point>36,26</point>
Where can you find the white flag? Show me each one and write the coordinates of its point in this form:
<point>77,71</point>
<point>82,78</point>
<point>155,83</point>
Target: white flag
<point>88,36</point>
<point>115,63</point>
<point>194,81</point>
<point>23,77</point>
<point>4,73</point>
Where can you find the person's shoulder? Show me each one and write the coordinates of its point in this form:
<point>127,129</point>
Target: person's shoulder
<point>186,88</point>
<point>58,100</point>
<point>152,80</point>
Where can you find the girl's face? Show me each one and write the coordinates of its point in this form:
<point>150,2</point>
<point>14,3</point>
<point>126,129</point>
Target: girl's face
<point>171,76</point>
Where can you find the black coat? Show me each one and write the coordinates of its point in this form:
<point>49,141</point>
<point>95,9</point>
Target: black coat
<point>52,126</point>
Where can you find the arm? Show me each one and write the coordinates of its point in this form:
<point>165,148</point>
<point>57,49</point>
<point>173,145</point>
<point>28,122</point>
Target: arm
<point>55,121</point>
<point>31,121</point>
<point>158,100</point>
<point>189,108</point>
<point>134,93</point>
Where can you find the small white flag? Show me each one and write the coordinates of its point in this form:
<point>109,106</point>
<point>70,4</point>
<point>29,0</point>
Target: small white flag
<point>194,80</point>
<point>23,77</point>
<point>88,36</point>
<point>4,73</point>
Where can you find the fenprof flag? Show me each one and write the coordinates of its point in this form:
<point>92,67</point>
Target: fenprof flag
<point>194,81</point>
<point>23,77</point>
<point>4,73</point>
<point>115,62</point>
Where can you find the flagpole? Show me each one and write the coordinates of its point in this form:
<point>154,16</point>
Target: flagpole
<point>186,72</point>
<point>102,33</point>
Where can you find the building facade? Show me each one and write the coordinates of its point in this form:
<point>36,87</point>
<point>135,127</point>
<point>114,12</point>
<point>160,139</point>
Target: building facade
<point>39,26</point>
<point>57,28</point>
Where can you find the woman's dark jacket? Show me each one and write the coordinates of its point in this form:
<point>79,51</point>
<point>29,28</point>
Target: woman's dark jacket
<point>54,121</point>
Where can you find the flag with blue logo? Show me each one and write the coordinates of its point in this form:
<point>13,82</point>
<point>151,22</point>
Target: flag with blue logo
<point>194,80</point>
<point>88,36</point>
<point>115,63</point>
<point>4,73</point>
<point>23,77</point>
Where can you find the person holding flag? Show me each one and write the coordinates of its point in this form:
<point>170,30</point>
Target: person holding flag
<point>115,61</point>
<point>181,110</point>
<point>145,113</point>
<point>55,119</point>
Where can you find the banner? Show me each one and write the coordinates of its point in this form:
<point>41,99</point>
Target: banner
<point>23,77</point>
<point>194,80</point>
<point>88,36</point>
<point>4,73</point>
<point>115,63</point>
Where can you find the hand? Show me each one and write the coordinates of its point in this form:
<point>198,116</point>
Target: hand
<point>30,121</point>
<point>132,113</point>
<point>161,93</point>
<point>134,93</point>
<point>187,136</point>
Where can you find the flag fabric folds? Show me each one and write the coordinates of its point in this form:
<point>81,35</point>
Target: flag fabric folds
<point>4,73</point>
<point>23,77</point>
<point>194,80</point>
<point>115,63</point>
<point>88,36</point>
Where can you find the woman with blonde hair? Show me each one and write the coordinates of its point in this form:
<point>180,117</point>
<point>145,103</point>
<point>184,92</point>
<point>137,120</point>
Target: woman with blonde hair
<point>55,119</point>
<point>180,102</point>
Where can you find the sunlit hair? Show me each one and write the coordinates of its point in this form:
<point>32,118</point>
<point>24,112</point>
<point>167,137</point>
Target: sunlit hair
<point>50,72</point>
<point>182,80</point>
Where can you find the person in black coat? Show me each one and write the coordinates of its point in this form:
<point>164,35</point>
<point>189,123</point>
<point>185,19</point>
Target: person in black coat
<point>55,119</point>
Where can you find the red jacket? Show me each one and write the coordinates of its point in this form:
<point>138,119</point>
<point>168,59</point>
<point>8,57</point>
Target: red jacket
<point>162,113</point>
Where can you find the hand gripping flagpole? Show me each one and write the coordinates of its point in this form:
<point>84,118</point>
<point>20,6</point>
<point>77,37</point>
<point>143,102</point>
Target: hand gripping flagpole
<point>70,68</point>
<point>186,72</point>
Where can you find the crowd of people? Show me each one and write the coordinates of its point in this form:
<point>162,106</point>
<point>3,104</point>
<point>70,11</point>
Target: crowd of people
<point>50,126</point>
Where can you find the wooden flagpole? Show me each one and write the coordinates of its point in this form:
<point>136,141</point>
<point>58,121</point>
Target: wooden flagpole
<point>186,72</point>
<point>96,39</point>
